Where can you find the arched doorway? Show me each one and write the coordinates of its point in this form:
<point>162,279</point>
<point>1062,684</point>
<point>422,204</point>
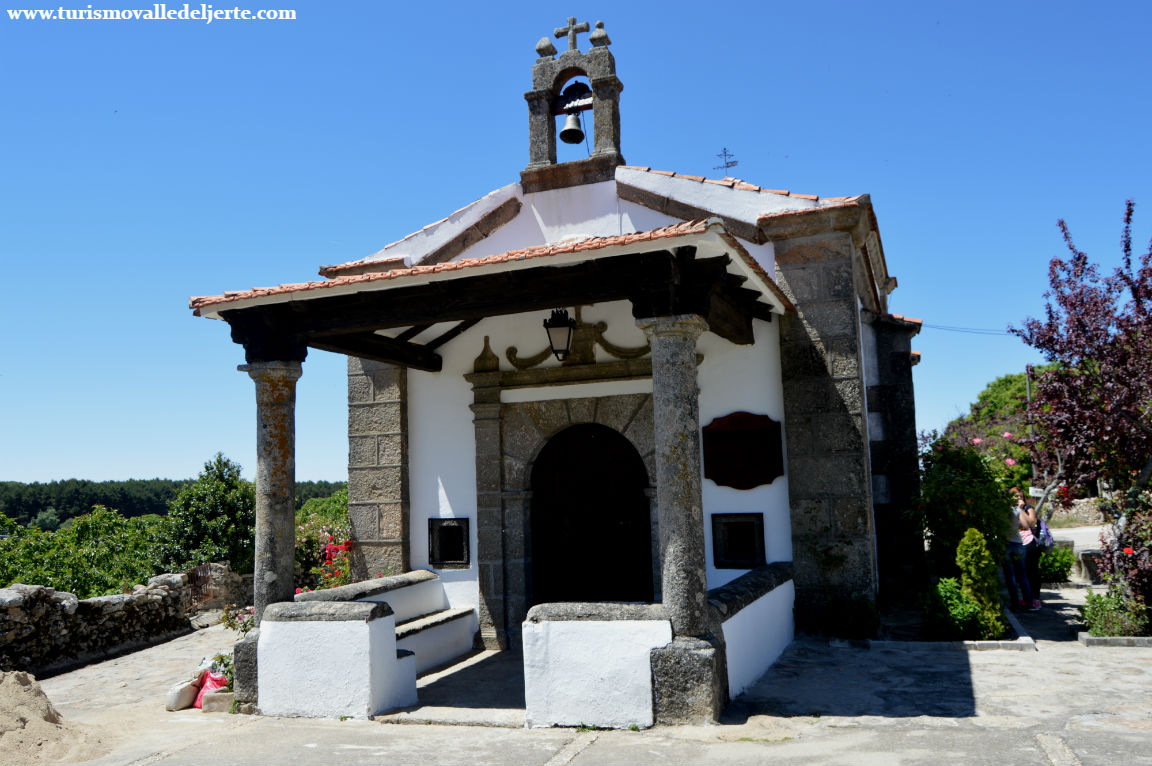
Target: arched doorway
<point>591,533</point>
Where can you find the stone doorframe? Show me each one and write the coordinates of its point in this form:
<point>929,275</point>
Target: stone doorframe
<point>509,437</point>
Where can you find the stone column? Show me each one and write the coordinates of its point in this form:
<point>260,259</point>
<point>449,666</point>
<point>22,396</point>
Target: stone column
<point>676,416</point>
<point>275,480</point>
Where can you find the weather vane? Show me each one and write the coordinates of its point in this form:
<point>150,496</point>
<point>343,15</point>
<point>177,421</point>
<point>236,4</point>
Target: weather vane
<point>729,160</point>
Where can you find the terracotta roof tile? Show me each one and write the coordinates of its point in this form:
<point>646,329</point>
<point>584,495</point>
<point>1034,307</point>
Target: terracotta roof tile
<point>575,246</point>
<point>731,182</point>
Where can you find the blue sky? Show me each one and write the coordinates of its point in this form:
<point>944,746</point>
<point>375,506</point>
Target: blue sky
<point>145,162</point>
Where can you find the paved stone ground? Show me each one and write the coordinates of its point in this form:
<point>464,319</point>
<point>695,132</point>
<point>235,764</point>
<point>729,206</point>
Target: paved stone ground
<point>1062,705</point>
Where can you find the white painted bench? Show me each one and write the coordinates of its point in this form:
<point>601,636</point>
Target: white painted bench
<point>358,673</point>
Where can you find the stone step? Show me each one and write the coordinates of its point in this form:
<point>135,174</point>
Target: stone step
<point>438,637</point>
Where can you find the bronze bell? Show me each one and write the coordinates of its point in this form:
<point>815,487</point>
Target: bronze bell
<point>572,132</point>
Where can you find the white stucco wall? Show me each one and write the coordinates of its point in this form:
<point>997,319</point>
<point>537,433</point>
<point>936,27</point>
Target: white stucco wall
<point>756,636</point>
<point>442,475</point>
<point>591,210</point>
<point>733,378</point>
<point>357,674</point>
<point>442,468</point>
<point>441,440</point>
<point>592,673</point>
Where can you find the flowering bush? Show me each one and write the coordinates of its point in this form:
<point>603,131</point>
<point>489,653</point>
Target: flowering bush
<point>238,618</point>
<point>996,426</point>
<point>323,543</point>
<point>336,570</point>
<point>223,664</point>
<point>1126,561</point>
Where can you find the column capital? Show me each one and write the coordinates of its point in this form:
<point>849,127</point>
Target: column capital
<point>688,325</point>
<point>283,370</point>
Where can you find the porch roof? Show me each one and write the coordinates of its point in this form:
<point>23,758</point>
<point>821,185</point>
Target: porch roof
<point>693,267</point>
<point>710,233</point>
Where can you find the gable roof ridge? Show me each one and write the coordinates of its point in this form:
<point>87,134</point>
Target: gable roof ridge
<point>731,182</point>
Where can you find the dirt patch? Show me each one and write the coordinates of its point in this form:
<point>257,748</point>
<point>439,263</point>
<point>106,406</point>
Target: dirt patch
<point>33,732</point>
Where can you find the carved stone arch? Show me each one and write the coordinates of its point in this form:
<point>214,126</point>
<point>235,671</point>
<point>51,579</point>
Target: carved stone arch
<point>510,436</point>
<point>628,414</point>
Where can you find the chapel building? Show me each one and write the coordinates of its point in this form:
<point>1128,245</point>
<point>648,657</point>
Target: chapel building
<point>605,389</point>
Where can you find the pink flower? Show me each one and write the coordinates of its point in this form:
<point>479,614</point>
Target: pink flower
<point>977,440</point>
<point>1007,434</point>
<point>299,590</point>
<point>1009,461</point>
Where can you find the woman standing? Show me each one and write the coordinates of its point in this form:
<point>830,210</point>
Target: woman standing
<point>1031,548</point>
<point>1021,546</point>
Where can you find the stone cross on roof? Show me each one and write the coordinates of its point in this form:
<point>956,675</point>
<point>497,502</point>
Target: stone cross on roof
<point>571,30</point>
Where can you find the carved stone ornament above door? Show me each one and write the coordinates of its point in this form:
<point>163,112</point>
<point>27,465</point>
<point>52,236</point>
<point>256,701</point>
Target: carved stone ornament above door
<point>585,338</point>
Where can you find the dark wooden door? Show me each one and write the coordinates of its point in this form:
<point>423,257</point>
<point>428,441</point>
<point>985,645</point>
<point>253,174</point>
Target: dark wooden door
<point>591,534</point>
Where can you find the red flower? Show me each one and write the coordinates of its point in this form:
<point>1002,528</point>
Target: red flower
<point>299,590</point>
<point>1128,551</point>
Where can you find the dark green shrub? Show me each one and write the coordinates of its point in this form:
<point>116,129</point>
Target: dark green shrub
<point>1111,614</point>
<point>212,519</point>
<point>979,582</point>
<point>1056,565</point>
<point>958,491</point>
<point>950,614</point>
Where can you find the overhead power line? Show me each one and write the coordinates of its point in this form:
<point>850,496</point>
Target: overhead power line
<point>969,330</point>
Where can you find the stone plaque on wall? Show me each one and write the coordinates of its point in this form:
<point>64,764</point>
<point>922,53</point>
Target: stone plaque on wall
<point>743,450</point>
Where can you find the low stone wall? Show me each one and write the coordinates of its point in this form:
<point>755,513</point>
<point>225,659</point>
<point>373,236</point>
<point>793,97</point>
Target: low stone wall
<point>1084,512</point>
<point>46,632</point>
<point>222,587</point>
<point>756,613</point>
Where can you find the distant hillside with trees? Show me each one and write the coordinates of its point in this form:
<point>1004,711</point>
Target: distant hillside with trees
<point>48,505</point>
<point>212,518</point>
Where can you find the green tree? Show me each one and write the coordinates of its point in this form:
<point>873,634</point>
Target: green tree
<point>98,553</point>
<point>212,519</point>
<point>997,425</point>
<point>958,490</point>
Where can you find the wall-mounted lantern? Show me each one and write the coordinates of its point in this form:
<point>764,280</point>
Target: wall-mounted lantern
<point>560,327</point>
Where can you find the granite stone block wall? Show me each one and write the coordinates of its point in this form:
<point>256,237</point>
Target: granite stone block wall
<point>826,428</point>
<point>378,467</point>
<point>895,470</point>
